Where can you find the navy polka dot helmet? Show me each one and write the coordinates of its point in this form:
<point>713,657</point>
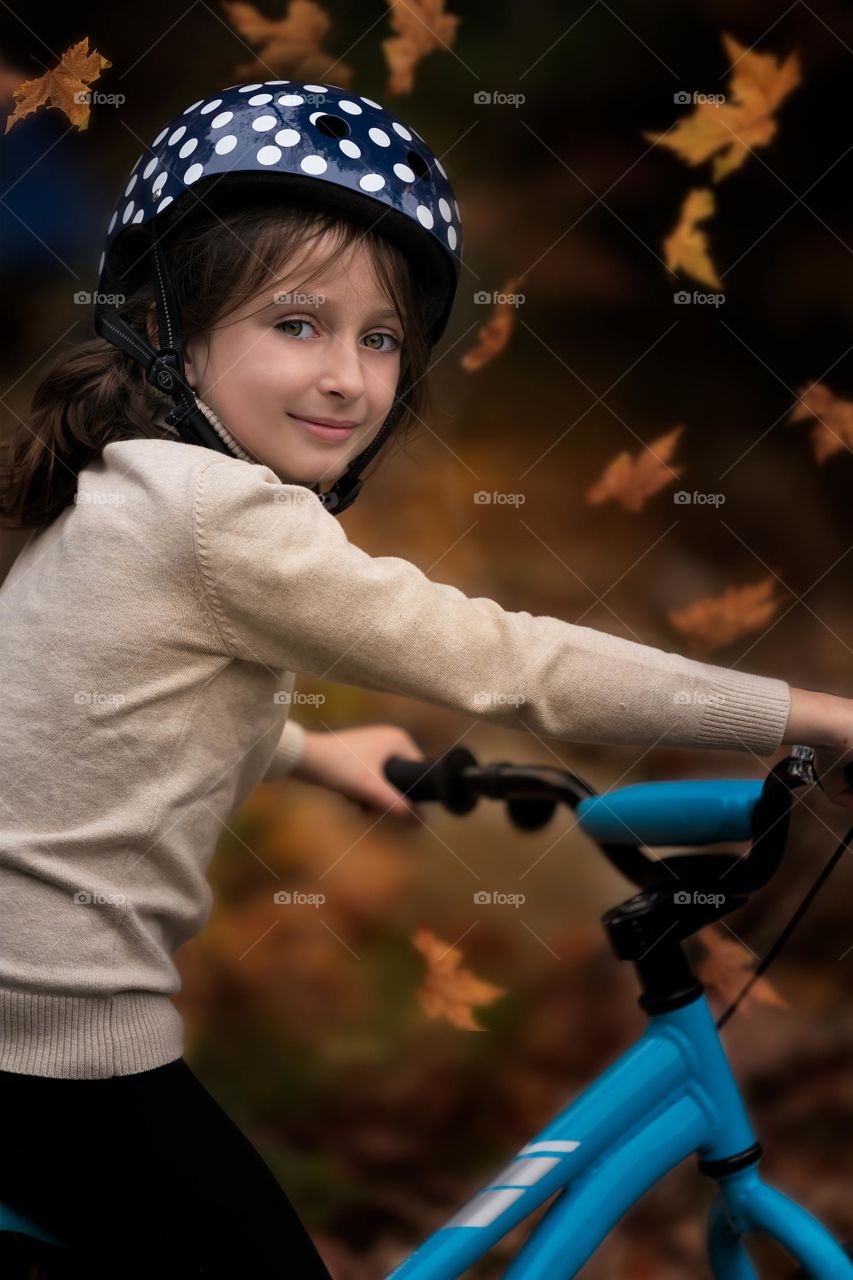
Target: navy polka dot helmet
<point>341,149</point>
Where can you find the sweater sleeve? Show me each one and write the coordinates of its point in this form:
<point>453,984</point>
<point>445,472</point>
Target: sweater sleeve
<point>288,751</point>
<point>286,588</point>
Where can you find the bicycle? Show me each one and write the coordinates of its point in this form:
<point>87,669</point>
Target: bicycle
<point>673,1093</point>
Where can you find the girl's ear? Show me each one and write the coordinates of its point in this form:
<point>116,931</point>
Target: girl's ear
<point>154,339</point>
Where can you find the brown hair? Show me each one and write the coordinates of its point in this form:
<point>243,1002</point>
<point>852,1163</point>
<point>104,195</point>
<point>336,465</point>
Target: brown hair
<point>95,393</point>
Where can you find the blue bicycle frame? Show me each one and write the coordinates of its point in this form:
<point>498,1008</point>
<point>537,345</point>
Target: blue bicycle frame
<point>672,1093</point>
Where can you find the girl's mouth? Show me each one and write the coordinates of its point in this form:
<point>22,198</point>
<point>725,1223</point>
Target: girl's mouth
<point>323,432</point>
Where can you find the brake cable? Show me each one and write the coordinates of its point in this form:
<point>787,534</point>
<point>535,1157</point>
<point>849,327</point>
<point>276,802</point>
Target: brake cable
<point>792,923</point>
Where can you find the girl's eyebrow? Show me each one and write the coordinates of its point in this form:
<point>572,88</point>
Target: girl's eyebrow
<point>284,299</point>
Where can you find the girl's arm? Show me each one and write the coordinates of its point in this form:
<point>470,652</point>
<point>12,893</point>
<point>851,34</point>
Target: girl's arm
<point>285,588</point>
<point>820,720</point>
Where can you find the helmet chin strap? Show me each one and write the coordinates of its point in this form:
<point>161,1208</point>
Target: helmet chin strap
<point>164,369</point>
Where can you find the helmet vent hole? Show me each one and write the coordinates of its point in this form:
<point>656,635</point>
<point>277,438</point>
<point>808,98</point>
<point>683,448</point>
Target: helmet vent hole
<point>332,126</point>
<point>418,165</point>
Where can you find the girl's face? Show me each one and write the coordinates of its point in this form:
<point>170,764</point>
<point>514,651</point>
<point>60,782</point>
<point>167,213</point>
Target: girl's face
<point>328,350</point>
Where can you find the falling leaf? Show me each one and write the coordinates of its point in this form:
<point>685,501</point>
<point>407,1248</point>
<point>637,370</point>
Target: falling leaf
<point>288,46</point>
<point>421,27</point>
<point>717,620</point>
<point>729,130</point>
<point>632,478</point>
<point>448,990</point>
<point>686,247</point>
<point>66,86</point>
<point>726,968</point>
<point>833,430</point>
<point>495,333</point>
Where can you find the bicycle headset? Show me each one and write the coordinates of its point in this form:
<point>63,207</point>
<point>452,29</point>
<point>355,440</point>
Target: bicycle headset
<point>335,150</point>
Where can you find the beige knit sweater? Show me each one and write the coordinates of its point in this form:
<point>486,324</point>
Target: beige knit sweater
<point>149,640</point>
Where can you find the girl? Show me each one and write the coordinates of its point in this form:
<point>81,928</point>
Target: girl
<point>278,268</point>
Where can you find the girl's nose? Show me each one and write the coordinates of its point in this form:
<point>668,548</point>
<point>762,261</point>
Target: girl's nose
<point>344,371</point>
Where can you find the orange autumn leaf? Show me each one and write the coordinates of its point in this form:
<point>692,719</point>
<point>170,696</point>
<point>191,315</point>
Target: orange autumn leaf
<point>633,478</point>
<point>421,26</point>
<point>289,46</point>
<point>833,430</point>
<point>448,990</point>
<point>495,333</point>
<point>726,968</point>
<point>714,621</point>
<point>728,131</point>
<point>65,86</point>
<point>686,247</point>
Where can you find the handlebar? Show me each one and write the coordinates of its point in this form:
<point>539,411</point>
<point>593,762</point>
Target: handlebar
<point>624,820</point>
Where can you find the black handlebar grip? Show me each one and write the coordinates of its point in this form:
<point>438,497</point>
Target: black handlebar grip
<point>440,779</point>
<point>417,778</point>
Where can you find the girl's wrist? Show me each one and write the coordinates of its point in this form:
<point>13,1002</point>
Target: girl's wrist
<point>819,720</point>
<point>310,765</point>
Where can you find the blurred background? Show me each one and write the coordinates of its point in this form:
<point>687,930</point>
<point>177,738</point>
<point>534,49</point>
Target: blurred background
<point>307,1021</point>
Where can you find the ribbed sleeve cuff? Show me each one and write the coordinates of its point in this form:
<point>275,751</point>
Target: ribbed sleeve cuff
<point>744,711</point>
<point>287,753</point>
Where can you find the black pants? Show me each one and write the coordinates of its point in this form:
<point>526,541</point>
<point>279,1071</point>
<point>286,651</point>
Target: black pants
<point>146,1175</point>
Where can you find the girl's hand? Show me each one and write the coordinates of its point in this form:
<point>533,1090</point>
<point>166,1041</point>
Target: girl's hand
<point>825,721</point>
<point>836,774</point>
<point>349,761</point>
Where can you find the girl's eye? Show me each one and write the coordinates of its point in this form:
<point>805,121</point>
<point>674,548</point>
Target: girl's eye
<point>396,343</point>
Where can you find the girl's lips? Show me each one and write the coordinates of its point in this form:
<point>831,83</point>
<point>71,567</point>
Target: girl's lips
<point>323,432</point>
